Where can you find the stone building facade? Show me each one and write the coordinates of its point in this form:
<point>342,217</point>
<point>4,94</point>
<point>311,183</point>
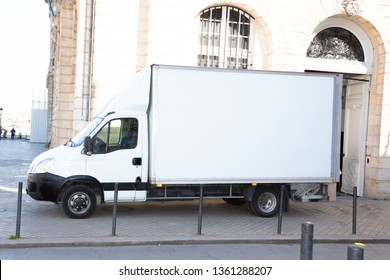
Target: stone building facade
<point>97,44</point>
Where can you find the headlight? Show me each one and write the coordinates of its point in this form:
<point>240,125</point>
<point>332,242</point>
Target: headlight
<point>41,167</point>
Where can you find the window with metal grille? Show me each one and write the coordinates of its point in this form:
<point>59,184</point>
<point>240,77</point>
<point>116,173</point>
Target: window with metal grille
<point>225,38</point>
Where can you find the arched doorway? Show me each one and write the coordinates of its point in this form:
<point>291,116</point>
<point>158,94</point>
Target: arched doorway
<point>339,45</point>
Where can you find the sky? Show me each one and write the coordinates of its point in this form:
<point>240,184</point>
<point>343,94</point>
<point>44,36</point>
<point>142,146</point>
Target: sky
<point>24,53</point>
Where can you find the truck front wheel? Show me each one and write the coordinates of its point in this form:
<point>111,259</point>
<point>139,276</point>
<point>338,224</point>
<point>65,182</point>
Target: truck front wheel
<point>78,202</point>
<point>265,202</point>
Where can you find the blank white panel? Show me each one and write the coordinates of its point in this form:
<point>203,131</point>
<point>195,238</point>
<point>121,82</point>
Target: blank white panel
<point>242,126</point>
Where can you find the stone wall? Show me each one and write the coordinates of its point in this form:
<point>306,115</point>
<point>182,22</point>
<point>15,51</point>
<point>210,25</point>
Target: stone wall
<point>100,43</point>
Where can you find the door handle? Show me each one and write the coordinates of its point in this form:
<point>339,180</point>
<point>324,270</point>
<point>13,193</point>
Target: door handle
<point>137,161</point>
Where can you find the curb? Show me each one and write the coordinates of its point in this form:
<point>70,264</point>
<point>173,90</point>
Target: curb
<point>201,240</point>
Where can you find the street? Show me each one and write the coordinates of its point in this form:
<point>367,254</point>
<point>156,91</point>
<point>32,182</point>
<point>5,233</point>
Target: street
<point>235,251</point>
<point>15,158</point>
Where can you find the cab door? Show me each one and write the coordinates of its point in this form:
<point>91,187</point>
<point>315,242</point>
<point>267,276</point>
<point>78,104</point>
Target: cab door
<point>116,158</point>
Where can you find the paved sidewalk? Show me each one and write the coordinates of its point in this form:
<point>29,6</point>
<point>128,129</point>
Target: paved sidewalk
<point>174,222</point>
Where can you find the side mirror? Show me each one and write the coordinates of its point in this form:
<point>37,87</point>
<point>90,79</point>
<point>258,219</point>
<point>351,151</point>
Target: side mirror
<point>88,145</point>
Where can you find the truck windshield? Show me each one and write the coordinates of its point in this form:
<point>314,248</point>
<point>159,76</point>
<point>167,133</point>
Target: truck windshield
<point>79,138</point>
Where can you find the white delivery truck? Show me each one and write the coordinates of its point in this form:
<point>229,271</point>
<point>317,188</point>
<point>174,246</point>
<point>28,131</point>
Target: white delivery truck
<point>240,134</point>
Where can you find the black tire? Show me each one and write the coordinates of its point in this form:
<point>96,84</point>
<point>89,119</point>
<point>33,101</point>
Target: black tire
<point>78,202</point>
<point>234,201</point>
<point>265,202</point>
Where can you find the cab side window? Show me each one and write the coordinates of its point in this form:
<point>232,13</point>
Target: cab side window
<point>116,135</point>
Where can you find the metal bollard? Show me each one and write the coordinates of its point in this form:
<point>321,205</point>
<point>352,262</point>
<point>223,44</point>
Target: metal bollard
<point>19,210</point>
<point>355,252</point>
<point>200,213</point>
<point>114,211</point>
<point>307,230</point>
<point>354,210</point>
<point>281,207</point>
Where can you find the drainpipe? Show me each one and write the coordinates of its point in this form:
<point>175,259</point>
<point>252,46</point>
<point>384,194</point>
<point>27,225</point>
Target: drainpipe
<point>51,8</point>
<point>88,59</point>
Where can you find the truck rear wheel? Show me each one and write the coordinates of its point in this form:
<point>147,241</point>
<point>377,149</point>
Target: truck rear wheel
<point>265,202</point>
<point>78,202</point>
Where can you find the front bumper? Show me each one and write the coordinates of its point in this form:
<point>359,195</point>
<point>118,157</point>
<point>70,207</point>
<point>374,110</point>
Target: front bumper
<point>44,186</point>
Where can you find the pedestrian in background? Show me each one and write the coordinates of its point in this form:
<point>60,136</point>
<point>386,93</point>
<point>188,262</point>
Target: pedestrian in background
<point>13,131</point>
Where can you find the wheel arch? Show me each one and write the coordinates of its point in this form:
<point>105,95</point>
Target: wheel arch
<point>84,180</point>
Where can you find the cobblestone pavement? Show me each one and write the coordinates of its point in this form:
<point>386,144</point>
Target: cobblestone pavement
<point>174,222</point>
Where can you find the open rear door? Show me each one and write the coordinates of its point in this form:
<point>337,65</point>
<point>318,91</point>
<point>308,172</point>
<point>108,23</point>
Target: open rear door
<point>355,134</point>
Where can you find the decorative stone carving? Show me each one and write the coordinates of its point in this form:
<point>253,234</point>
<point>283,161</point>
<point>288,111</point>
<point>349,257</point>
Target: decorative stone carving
<point>351,7</point>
